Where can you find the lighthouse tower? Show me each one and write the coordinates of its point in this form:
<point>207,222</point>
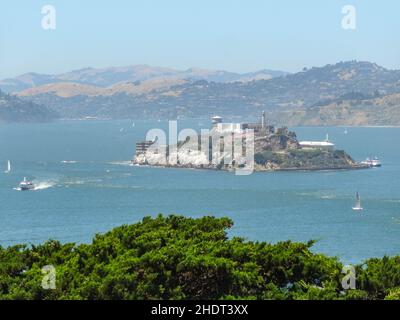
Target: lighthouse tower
<point>263,121</point>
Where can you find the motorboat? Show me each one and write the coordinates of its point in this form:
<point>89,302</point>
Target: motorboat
<point>26,185</point>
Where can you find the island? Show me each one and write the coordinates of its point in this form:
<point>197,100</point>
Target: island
<point>272,149</point>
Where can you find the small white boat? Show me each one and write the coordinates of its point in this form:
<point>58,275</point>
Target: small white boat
<point>26,185</point>
<point>357,206</point>
<point>375,162</point>
<point>8,170</point>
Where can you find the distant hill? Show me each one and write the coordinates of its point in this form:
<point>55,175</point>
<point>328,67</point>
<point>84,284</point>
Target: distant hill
<point>71,89</point>
<point>291,98</point>
<point>112,76</point>
<point>376,111</point>
<point>352,92</point>
<point>13,109</point>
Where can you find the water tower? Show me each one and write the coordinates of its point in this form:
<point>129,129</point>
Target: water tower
<point>215,121</point>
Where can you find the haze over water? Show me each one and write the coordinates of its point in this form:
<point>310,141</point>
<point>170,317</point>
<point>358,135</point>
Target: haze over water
<point>85,186</point>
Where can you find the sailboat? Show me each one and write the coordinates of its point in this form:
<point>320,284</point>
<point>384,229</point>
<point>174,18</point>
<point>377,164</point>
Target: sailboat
<point>357,206</point>
<point>8,167</point>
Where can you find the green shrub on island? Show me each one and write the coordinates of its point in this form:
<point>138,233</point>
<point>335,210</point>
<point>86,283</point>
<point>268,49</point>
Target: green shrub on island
<point>306,159</point>
<point>176,257</point>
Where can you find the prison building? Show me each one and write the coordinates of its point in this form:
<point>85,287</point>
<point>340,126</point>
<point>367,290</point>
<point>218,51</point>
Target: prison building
<point>143,146</point>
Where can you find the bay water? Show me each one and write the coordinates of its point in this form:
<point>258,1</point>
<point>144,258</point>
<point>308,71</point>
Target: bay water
<point>85,185</point>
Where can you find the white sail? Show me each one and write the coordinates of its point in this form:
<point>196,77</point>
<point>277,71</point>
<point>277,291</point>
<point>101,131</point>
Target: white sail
<point>357,206</point>
<point>358,200</point>
<point>8,167</point>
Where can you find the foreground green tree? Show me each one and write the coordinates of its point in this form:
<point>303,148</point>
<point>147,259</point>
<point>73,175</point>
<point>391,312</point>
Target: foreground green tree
<point>182,258</point>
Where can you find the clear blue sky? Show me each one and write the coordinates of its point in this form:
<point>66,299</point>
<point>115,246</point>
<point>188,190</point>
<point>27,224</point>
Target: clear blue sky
<point>234,35</point>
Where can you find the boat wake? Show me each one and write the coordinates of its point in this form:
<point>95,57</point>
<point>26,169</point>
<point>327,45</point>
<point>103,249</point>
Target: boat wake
<point>318,195</point>
<point>42,185</point>
<point>81,181</point>
<point>120,163</point>
<point>392,200</point>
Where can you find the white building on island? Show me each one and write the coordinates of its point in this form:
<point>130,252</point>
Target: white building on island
<point>317,144</point>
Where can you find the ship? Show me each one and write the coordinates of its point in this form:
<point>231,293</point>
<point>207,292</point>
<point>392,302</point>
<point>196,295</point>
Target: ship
<point>375,162</point>
<point>26,185</point>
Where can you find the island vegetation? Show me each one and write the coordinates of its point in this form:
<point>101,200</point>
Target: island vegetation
<point>176,257</point>
<point>305,159</point>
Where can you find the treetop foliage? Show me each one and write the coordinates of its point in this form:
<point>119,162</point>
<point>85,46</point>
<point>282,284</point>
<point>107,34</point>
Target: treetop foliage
<point>176,257</point>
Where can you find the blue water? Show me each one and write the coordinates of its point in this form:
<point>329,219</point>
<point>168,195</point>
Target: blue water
<point>98,190</point>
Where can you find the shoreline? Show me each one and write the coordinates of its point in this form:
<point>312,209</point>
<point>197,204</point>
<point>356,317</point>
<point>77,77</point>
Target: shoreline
<point>306,169</point>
